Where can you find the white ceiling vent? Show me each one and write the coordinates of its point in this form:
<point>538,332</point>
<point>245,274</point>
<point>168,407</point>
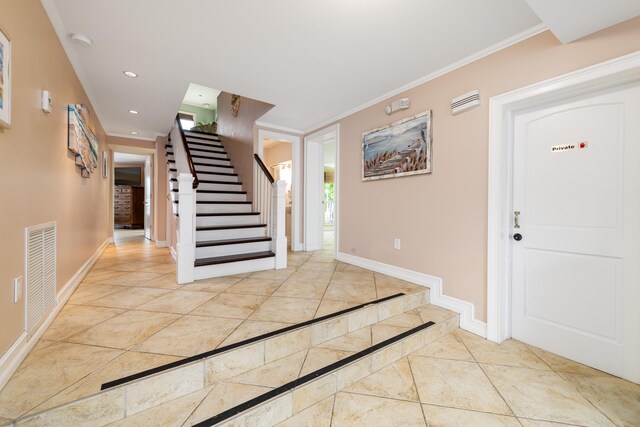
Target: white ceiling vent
<point>40,255</point>
<point>464,102</point>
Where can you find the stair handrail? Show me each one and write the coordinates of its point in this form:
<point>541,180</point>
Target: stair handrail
<point>192,167</point>
<point>264,168</point>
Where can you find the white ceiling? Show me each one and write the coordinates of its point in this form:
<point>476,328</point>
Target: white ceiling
<point>314,60</point>
<point>200,96</point>
<point>570,20</point>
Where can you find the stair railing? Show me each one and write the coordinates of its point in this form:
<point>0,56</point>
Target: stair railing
<point>269,200</point>
<point>186,224</point>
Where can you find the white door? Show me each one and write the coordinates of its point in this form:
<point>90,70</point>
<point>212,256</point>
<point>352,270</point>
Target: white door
<point>148,174</point>
<point>314,194</point>
<point>575,272</point>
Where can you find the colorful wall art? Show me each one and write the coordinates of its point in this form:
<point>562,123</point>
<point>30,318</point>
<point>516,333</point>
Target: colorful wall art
<point>399,149</point>
<point>5,80</point>
<point>82,139</point>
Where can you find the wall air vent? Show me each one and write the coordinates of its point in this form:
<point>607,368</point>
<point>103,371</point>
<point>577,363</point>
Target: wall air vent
<point>40,260</point>
<point>464,102</point>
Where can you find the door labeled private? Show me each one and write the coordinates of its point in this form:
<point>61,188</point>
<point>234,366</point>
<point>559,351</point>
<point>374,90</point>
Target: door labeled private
<point>576,230</point>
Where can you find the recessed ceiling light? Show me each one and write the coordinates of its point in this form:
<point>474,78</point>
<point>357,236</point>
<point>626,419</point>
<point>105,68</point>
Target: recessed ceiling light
<point>133,132</point>
<point>133,111</point>
<point>81,39</point>
<point>200,95</point>
<point>130,74</point>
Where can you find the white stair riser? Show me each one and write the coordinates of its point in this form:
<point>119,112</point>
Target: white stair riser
<point>213,221</point>
<point>242,248</point>
<point>173,185</point>
<point>200,168</point>
<point>214,177</point>
<point>221,196</point>
<point>202,143</point>
<point>222,208</point>
<point>233,233</point>
<point>229,268</point>
<point>201,136</point>
<point>207,161</point>
<point>219,152</point>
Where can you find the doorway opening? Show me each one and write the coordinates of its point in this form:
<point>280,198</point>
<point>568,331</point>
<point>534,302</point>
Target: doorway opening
<point>281,154</point>
<point>321,190</point>
<point>132,193</point>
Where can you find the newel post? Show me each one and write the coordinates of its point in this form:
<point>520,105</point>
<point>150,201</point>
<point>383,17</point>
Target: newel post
<point>186,245</point>
<point>278,234</point>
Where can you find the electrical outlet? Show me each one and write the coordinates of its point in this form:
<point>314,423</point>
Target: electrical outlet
<point>396,243</point>
<point>17,288</point>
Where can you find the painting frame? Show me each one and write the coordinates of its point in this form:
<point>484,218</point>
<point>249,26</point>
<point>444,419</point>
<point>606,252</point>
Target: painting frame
<point>82,140</point>
<point>5,80</point>
<point>401,148</point>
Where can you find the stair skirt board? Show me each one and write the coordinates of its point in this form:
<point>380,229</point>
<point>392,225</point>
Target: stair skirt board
<point>243,343</point>
<point>221,208</point>
<point>239,248</point>
<point>165,383</point>
<point>215,221</point>
<point>318,375</point>
<point>234,233</point>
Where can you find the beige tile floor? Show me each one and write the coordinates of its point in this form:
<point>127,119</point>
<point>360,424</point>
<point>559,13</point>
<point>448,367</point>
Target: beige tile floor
<point>129,315</point>
<point>113,328</point>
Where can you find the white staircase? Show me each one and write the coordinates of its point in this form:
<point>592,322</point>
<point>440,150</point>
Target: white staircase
<point>219,233</point>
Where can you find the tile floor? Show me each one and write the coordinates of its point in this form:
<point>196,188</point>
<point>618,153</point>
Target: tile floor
<point>129,315</point>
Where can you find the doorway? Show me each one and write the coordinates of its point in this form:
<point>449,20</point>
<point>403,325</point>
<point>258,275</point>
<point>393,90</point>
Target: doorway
<point>280,152</point>
<point>321,190</point>
<point>564,218</point>
<point>132,193</point>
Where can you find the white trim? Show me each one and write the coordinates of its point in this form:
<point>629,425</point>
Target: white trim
<point>296,201</point>
<point>129,136</point>
<point>321,136</point>
<point>601,76</point>
<point>12,359</point>
<point>161,243</point>
<point>466,309</point>
<point>517,38</point>
<point>172,251</point>
<point>279,128</point>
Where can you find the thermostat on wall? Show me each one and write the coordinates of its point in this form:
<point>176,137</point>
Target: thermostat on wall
<point>47,102</point>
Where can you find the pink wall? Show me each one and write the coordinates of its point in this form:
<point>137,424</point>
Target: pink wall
<point>441,218</point>
<point>42,183</point>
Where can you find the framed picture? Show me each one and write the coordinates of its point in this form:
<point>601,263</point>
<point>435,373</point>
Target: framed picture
<point>399,149</point>
<point>105,165</point>
<point>5,80</point>
<point>82,139</point>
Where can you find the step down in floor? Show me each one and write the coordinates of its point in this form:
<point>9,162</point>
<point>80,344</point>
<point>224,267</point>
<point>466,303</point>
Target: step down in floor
<point>151,395</point>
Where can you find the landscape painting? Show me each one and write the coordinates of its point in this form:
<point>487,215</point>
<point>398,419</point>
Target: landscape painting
<point>399,149</point>
<point>5,81</point>
<point>82,139</point>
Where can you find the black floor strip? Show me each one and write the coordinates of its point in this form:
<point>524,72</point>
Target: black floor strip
<point>209,353</point>
<point>229,413</point>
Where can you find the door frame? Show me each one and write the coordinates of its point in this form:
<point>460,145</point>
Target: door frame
<point>325,134</point>
<point>296,201</point>
<point>502,111</point>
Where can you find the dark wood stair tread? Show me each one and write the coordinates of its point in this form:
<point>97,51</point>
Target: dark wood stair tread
<point>215,191</point>
<point>228,214</point>
<point>229,227</point>
<point>233,258</point>
<point>223,202</point>
<point>211,173</point>
<point>232,241</point>
<point>204,181</point>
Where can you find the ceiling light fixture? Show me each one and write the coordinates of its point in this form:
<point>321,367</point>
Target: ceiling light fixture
<point>81,39</point>
<point>130,74</point>
<point>133,132</point>
<point>133,111</point>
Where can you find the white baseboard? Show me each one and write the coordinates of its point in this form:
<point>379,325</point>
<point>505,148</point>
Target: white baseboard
<point>161,243</point>
<point>12,359</point>
<point>464,308</point>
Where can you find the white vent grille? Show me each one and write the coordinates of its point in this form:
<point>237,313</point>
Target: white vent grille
<point>41,298</point>
<point>464,102</point>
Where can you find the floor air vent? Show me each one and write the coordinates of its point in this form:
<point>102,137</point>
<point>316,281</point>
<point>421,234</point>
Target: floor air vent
<point>40,292</point>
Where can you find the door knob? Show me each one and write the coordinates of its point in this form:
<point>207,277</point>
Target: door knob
<point>517,237</point>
